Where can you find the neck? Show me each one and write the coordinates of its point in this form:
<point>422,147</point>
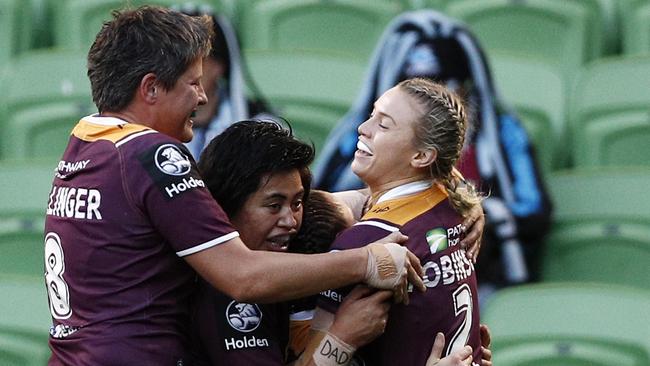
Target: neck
<point>134,114</point>
<point>377,191</point>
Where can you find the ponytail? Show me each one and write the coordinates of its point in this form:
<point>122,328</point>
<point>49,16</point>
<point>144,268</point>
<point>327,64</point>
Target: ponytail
<point>462,194</point>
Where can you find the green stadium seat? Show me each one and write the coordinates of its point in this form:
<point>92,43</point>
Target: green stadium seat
<point>601,227</point>
<point>609,121</point>
<point>16,352</point>
<point>569,324</point>
<point>42,23</point>
<point>77,22</point>
<point>350,26</point>
<point>16,28</point>
<point>42,131</point>
<point>26,186</point>
<point>311,90</point>
<point>21,241</point>
<point>635,23</point>
<point>25,323</point>
<point>569,352</point>
<point>537,91</point>
<point>46,94</point>
<point>606,14</point>
<point>23,201</point>
<point>559,32</point>
<point>603,31</point>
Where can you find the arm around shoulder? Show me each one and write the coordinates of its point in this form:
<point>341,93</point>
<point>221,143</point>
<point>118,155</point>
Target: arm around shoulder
<point>261,276</point>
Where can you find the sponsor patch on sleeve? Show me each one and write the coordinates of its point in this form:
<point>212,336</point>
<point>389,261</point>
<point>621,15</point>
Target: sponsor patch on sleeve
<point>172,169</point>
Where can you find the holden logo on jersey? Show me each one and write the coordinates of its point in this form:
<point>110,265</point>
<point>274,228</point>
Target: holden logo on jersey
<point>437,239</point>
<point>243,317</point>
<point>171,160</point>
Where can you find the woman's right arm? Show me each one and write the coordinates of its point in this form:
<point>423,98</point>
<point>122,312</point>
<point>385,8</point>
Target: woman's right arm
<point>261,276</point>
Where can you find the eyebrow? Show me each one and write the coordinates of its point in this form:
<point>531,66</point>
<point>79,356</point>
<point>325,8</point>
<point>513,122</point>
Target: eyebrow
<point>275,196</point>
<point>283,196</point>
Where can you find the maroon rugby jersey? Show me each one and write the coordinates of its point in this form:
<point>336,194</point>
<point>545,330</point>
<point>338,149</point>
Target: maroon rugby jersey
<point>126,205</point>
<point>228,332</point>
<point>450,304</point>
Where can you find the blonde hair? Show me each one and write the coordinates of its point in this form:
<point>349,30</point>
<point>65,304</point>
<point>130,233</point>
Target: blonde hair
<point>442,128</point>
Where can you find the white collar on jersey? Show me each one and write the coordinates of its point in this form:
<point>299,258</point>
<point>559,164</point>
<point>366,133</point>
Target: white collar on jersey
<point>405,190</point>
<point>106,121</point>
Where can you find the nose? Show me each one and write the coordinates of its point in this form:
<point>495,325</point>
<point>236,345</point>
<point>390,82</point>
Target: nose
<point>288,219</point>
<point>203,98</point>
<point>363,128</point>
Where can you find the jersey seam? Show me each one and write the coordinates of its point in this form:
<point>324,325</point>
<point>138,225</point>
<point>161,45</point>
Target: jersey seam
<point>208,244</point>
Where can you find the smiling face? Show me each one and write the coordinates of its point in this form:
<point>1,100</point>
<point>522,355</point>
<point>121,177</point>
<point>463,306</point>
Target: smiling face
<point>178,104</point>
<point>385,149</point>
<point>272,214</point>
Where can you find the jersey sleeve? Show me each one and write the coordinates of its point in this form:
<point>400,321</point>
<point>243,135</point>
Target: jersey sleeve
<point>163,182</point>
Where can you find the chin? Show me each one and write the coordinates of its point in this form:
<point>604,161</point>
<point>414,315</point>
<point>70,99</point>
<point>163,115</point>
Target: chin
<point>187,136</point>
<point>357,169</point>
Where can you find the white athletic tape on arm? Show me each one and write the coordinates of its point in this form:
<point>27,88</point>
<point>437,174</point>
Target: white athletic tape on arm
<point>333,352</point>
<point>385,265</point>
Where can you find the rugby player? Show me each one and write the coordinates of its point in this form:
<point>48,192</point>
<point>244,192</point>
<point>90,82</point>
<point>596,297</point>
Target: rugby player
<point>406,154</point>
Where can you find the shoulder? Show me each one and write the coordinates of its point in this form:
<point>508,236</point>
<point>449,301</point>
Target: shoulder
<point>155,152</point>
<point>362,233</point>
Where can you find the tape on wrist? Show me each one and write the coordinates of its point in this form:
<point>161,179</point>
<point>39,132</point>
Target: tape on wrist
<point>383,263</point>
<point>333,352</point>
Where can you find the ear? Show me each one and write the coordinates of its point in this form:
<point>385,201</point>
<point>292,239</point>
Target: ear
<point>148,89</point>
<point>424,158</point>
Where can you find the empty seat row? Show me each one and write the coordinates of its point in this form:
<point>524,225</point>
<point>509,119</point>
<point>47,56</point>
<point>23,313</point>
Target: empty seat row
<point>25,321</point>
<point>601,226</point>
<point>23,199</point>
<point>44,95</point>
<point>569,32</point>
<point>599,119</point>
<point>569,324</point>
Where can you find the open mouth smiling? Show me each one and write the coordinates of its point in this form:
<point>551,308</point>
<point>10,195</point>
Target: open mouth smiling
<point>363,148</point>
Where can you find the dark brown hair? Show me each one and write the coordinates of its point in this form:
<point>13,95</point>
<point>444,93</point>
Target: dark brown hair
<point>139,41</point>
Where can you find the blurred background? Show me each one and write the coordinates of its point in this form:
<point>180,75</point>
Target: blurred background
<point>576,72</point>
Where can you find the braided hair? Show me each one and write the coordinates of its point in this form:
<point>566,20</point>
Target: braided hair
<point>442,128</point>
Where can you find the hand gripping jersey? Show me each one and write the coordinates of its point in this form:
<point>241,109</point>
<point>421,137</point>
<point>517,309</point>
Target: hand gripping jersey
<point>126,205</point>
<point>228,332</point>
<point>450,304</point>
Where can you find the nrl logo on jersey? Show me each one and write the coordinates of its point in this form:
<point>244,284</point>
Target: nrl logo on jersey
<point>437,240</point>
<point>243,317</point>
<point>171,160</point>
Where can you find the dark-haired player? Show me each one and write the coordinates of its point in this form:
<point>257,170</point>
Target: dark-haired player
<point>260,174</point>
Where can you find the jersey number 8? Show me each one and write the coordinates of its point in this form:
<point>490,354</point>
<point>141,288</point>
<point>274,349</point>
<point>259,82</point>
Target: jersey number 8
<point>57,289</point>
